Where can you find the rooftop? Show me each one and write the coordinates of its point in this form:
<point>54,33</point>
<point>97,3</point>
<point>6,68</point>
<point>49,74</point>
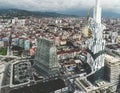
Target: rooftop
<point>111,59</point>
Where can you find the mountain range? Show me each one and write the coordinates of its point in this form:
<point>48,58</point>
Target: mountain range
<point>25,13</point>
<point>106,14</point>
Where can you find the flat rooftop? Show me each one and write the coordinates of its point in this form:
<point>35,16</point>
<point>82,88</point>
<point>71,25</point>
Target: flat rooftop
<point>111,59</point>
<point>86,85</point>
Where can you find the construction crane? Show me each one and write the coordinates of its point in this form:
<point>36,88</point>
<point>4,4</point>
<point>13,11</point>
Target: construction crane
<point>86,31</point>
<point>89,13</point>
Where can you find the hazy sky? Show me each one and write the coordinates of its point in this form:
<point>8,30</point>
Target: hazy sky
<point>59,5</point>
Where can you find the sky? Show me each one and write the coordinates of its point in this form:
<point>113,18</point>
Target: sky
<point>60,5</point>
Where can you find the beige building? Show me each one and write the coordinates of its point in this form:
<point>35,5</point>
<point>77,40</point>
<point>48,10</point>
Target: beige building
<point>112,69</point>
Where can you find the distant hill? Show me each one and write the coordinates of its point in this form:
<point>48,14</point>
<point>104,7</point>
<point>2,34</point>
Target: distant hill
<point>10,13</point>
<point>24,13</point>
<point>84,13</point>
<point>111,14</point>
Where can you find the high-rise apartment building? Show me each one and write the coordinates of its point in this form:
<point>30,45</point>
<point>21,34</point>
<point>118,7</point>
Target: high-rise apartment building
<point>46,57</point>
<point>112,69</point>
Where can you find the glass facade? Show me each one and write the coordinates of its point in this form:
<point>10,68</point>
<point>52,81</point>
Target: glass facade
<point>46,57</point>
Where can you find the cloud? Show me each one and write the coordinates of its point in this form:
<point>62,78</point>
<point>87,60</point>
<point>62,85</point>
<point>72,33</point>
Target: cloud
<point>59,5</point>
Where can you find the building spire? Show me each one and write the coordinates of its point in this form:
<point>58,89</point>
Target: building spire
<point>98,3</point>
<point>97,12</point>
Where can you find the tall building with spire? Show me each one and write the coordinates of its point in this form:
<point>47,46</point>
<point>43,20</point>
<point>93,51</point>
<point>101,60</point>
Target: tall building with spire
<point>96,43</point>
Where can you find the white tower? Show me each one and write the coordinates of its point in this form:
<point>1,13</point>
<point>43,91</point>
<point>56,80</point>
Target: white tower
<point>97,12</point>
<point>96,44</point>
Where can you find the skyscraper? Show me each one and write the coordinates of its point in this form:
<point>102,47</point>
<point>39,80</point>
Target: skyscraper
<point>46,57</point>
<point>96,44</point>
